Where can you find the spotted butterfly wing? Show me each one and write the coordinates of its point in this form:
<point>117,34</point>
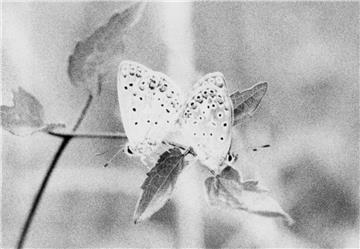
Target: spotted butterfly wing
<point>149,105</point>
<point>207,119</point>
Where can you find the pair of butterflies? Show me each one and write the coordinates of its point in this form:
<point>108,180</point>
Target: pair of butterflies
<point>152,106</point>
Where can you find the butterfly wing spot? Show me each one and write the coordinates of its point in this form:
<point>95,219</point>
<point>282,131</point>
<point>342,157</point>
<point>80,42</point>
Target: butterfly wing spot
<point>163,88</point>
<point>152,84</point>
<point>193,105</point>
<point>132,71</point>
<point>220,99</point>
<point>199,98</point>
<point>205,94</point>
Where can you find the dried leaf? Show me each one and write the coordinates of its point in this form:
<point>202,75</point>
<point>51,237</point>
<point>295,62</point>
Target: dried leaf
<point>95,60</point>
<point>26,116</point>
<point>160,183</point>
<point>245,103</point>
<point>227,190</point>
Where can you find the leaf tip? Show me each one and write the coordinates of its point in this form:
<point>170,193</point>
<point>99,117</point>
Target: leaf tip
<point>133,14</point>
<point>137,218</point>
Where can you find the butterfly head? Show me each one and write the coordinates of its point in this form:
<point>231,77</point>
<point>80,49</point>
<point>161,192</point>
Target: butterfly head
<point>128,150</point>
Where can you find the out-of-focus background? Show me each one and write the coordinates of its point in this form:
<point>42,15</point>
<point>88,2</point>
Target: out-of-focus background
<point>309,54</point>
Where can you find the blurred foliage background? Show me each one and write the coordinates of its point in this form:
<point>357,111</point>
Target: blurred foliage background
<point>307,51</point>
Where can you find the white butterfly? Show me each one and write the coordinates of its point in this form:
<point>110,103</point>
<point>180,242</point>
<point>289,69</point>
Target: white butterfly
<point>207,119</point>
<point>150,103</point>
<point>152,106</point>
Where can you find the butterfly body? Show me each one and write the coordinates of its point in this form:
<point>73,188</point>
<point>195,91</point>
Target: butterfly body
<point>150,104</point>
<point>206,120</point>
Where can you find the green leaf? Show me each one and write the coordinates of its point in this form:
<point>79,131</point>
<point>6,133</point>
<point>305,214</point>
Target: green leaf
<point>253,185</point>
<point>245,103</point>
<point>95,60</point>
<point>159,185</point>
<point>26,116</point>
<point>227,190</point>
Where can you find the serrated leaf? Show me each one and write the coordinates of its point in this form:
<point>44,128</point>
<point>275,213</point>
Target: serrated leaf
<point>226,190</point>
<point>26,116</point>
<point>95,60</point>
<point>159,185</point>
<point>245,103</point>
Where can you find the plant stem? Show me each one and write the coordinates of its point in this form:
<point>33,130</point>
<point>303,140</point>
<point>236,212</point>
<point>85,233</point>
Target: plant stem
<point>36,201</point>
<point>40,192</point>
<point>83,112</point>
<point>88,135</point>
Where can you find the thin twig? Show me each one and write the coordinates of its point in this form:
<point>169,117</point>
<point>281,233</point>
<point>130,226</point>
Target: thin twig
<point>83,113</point>
<point>88,135</point>
<point>36,201</point>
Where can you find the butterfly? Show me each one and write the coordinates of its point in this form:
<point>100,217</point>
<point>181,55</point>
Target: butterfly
<point>206,121</point>
<point>150,104</point>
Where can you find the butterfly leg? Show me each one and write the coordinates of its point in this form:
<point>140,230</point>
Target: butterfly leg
<point>147,162</point>
<point>122,149</point>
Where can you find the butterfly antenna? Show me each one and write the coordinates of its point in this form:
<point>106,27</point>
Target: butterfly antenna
<point>261,147</point>
<point>101,153</point>
<point>113,157</point>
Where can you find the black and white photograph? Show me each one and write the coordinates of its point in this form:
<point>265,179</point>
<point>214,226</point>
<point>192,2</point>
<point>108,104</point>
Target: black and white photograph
<point>179,124</point>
